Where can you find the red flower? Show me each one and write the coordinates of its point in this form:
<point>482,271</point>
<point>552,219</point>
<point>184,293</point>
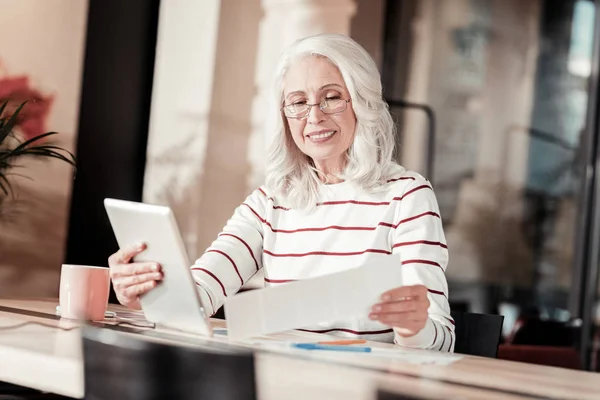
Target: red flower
<point>32,119</point>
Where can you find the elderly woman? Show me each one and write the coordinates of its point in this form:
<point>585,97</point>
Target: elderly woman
<point>333,200</point>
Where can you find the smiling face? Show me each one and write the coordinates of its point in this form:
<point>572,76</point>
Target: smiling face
<point>324,138</point>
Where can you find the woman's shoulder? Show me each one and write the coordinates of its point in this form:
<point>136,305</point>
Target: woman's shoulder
<point>400,180</point>
<point>262,196</point>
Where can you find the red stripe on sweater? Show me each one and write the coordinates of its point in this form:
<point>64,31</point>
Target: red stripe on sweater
<point>324,228</point>
<point>261,219</point>
<point>420,242</point>
<point>400,179</point>
<point>450,333</point>
<point>337,227</point>
<point>402,221</point>
<point>230,260</point>
<point>451,321</point>
<point>245,244</point>
<point>279,280</point>
<point>436,292</point>
<point>411,191</point>
<point>374,203</point>
<point>349,331</point>
<point>436,333</point>
<point>422,262</point>
<point>356,202</point>
<point>326,253</point>
<point>443,341</point>
<point>345,228</point>
<point>214,277</point>
<point>273,200</point>
<point>366,203</point>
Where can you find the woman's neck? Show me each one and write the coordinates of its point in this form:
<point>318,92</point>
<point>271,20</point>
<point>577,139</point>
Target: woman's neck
<point>329,170</point>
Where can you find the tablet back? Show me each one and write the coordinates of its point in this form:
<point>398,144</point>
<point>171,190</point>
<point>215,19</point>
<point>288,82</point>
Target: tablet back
<point>175,302</point>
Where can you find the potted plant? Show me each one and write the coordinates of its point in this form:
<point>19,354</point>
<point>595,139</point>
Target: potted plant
<point>13,149</point>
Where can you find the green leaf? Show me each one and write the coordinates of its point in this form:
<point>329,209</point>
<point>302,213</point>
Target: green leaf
<point>2,107</point>
<point>45,153</point>
<point>7,129</point>
<point>46,150</point>
<point>33,140</point>
<point>5,187</point>
<point>54,148</point>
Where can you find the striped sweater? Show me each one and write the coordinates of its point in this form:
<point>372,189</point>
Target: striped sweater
<point>347,228</point>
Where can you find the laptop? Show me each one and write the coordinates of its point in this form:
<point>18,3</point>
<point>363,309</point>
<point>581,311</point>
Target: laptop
<point>175,303</point>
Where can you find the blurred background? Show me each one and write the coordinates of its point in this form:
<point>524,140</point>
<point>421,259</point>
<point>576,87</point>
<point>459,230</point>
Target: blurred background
<point>495,101</point>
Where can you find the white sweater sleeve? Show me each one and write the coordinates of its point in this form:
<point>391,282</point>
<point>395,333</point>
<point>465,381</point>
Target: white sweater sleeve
<point>420,241</point>
<point>235,256</point>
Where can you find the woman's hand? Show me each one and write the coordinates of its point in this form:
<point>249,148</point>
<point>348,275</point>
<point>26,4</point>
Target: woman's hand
<point>131,280</point>
<point>403,308</point>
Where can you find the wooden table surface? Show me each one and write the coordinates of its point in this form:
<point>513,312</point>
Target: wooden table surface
<point>42,356</point>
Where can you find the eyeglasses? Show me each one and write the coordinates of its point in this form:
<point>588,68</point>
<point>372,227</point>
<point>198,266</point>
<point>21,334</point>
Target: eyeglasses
<point>328,106</point>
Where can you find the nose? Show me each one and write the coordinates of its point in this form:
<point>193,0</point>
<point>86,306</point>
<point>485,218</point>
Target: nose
<point>315,115</point>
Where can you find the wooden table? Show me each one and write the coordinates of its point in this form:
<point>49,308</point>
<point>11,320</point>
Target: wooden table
<point>44,357</point>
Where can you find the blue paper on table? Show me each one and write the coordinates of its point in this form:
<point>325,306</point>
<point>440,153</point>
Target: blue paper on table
<point>341,295</point>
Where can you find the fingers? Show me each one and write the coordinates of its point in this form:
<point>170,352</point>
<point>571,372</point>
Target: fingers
<point>404,321</point>
<point>406,310</point>
<point>131,280</point>
<point>135,291</point>
<point>129,288</point>
<point>397,307</point>
<point>124,255</point>
<point>123,270</point>
<point>403,292</point>
<point>416,318</point>
<point>137,279</point>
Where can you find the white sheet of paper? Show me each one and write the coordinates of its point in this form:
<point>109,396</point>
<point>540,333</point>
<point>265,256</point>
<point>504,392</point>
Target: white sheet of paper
<point>345,294</point>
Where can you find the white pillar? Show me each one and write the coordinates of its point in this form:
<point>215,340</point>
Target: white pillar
<point>181,100</point>
<point>223,184</point>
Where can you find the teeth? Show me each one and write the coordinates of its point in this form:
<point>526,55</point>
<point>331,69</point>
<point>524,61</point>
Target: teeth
<point>322,135</point>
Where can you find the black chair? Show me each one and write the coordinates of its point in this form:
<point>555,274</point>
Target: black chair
<point>477,334</point>
<point>120,366</point>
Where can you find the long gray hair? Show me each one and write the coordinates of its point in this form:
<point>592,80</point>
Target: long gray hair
<point>289,173</point>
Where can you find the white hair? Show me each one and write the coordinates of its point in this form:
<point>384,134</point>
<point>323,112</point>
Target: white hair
<point>290,174</point>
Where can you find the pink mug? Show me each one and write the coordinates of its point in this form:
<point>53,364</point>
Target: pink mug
<point>84,292</point>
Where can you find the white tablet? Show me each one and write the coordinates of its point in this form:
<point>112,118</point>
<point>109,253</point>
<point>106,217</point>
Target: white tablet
<point>175,303</point>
